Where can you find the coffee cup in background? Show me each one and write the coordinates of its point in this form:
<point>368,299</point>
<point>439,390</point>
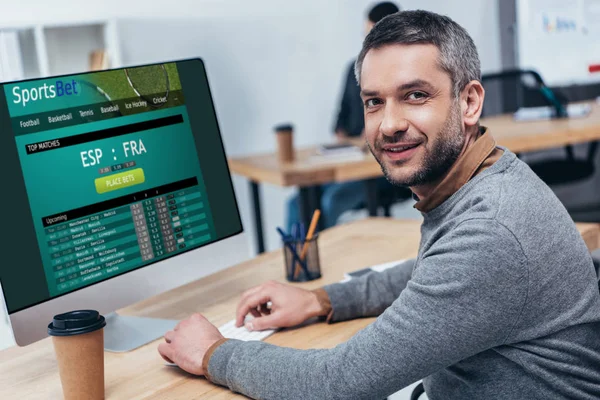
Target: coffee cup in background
<point>78,338</point>
<point>285,142</point>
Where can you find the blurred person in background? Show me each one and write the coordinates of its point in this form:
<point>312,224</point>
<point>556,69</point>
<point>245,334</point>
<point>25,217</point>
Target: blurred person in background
<point>338,198</point>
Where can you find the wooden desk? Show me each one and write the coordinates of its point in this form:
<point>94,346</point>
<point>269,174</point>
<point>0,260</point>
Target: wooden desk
<point>308,174</point>
<point>31,372</point>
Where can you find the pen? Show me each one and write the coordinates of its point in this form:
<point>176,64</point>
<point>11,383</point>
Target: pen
<point>284,236</point>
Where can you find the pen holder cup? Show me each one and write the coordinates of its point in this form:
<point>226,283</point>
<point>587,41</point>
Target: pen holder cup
<point>310,267</point>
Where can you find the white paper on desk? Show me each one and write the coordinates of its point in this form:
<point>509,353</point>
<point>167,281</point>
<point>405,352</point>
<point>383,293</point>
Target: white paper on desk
<point>377,268</point>
<point>545,113</point>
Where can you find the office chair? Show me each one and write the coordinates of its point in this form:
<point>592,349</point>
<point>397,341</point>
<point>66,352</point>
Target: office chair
<point>509,90</point>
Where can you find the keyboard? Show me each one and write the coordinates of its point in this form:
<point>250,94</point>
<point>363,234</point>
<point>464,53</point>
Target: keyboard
<point>230,331</point>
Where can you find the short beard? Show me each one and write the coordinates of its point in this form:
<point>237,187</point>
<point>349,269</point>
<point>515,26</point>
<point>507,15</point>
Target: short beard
<point>439,159</point>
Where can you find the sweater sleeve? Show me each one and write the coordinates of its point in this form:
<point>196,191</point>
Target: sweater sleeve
<point>368,295</point>
<point>465,296</point>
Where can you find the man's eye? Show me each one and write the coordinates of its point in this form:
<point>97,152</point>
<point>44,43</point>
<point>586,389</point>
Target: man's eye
<point>417,96</point>
<point>372,102</point>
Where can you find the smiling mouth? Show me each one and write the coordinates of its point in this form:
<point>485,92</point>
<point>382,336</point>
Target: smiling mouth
<point>399,149</point>
<point>398,153</point>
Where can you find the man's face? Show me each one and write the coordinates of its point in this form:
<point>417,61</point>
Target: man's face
<point>413,123</point>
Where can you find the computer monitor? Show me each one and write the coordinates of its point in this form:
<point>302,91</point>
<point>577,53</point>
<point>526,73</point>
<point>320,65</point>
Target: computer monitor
<point>108,177</point>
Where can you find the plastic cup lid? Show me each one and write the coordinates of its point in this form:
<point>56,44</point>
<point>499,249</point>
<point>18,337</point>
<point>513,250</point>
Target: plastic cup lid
<point>284,128</point>
<point>76,323</point>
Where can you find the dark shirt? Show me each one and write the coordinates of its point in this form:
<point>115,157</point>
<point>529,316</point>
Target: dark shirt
<point>351,118</point>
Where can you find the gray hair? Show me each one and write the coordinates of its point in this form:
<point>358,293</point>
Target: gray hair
<point>458,54</point>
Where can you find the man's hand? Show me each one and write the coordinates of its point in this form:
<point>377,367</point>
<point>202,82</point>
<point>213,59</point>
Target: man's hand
<point>289,306</point>
<point>187,344</point>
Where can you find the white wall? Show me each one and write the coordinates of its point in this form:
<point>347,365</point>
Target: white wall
<point>268,61</point>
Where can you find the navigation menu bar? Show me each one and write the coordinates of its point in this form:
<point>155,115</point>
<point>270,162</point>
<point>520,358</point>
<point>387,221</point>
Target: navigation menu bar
<point>56,119</point>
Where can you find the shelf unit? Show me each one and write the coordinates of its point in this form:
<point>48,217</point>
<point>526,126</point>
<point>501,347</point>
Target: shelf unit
<point>42,50</point>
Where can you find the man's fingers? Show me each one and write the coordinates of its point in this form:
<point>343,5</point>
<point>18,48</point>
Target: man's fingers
<point>239,320</point>
<point>169,336</point>
<point>166,351</point>
<point>240,313</point>
<point>262,323</point>
<point>250,303</point>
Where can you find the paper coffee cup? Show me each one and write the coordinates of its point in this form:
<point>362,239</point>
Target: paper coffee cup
<point>285,142</point>
<point>78,338</point>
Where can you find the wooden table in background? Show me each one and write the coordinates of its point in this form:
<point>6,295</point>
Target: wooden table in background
<point>31,372</point>
<point>308,174</point>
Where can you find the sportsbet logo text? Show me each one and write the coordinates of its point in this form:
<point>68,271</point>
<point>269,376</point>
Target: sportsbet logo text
<point>58,89</point>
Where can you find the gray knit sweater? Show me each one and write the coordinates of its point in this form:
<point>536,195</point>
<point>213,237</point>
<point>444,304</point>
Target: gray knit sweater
<point>501,303</point>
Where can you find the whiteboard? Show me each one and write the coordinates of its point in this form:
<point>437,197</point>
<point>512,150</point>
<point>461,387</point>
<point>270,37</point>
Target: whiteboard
<point>560,39</point>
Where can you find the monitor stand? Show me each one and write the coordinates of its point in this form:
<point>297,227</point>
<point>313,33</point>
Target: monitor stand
<point>125,333</point>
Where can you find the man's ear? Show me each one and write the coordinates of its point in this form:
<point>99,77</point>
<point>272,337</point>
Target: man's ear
<point>472,102</point>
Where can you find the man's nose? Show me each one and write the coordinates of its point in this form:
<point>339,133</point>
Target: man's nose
<point>394,121</point>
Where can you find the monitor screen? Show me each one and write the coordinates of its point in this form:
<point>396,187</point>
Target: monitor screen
<point>107,172</point>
